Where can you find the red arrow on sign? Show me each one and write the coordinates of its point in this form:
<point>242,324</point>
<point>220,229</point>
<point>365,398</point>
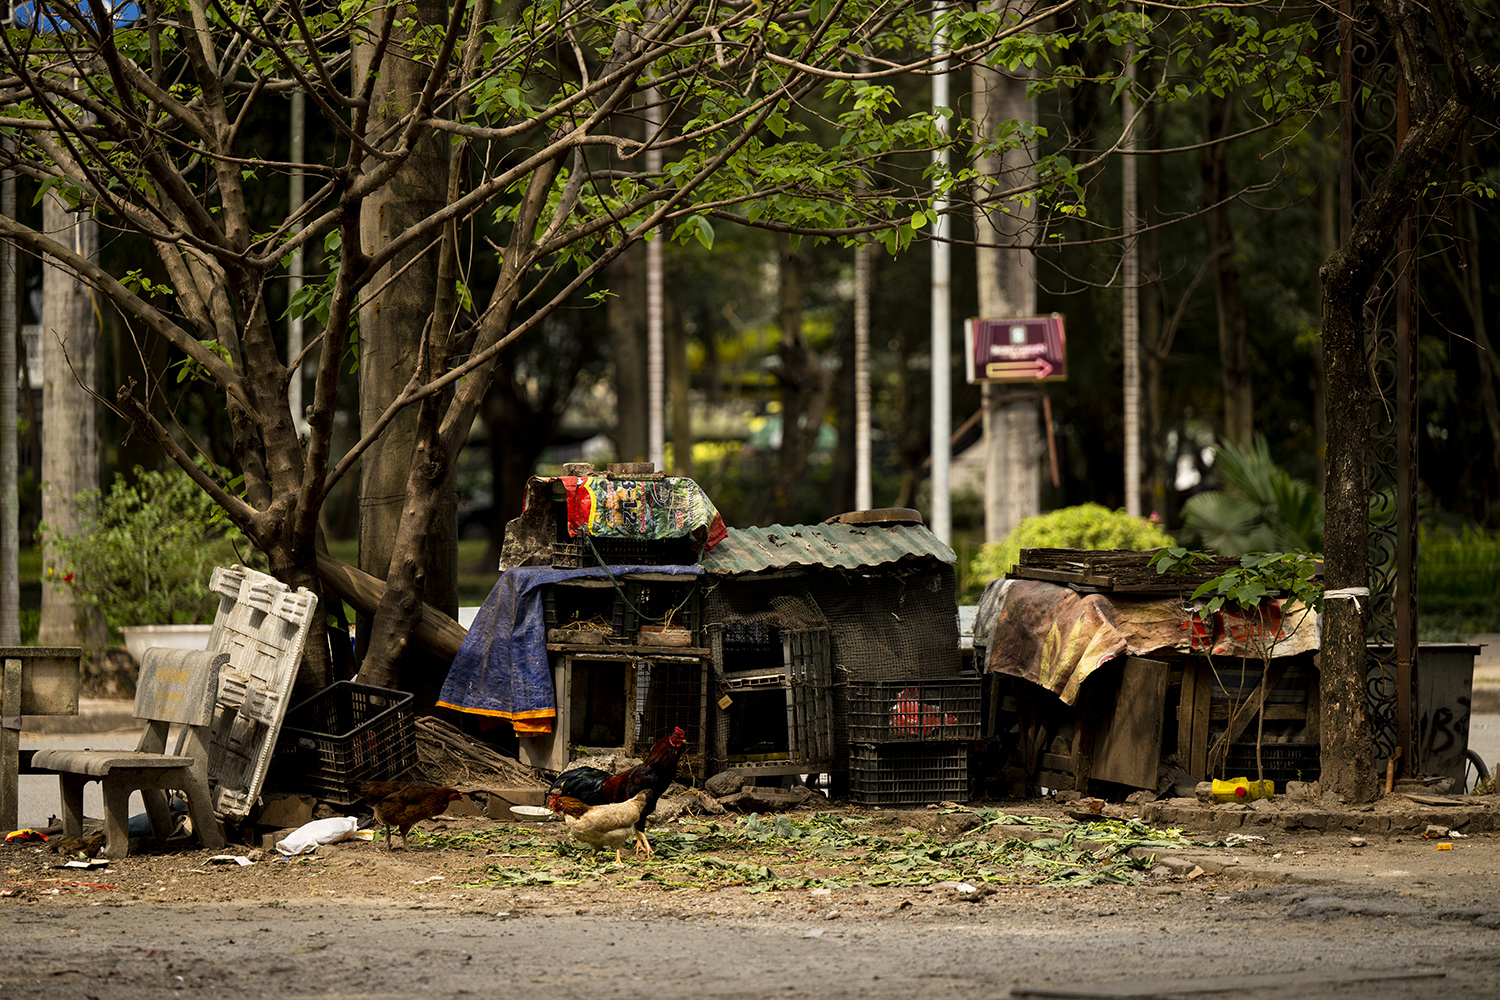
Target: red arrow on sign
<point>1037,368</point>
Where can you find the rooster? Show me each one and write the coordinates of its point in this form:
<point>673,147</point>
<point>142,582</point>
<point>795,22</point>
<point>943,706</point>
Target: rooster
<point>652,776</point>
<point>403,806</point>
<point>601,827</point>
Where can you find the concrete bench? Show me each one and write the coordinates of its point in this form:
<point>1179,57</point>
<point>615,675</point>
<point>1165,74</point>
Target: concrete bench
<point>176,686</point>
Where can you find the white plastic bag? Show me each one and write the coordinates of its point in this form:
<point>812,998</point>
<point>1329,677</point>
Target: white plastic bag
<point>306,838</point>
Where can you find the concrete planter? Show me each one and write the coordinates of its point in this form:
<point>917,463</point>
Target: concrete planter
<point>139,638</point>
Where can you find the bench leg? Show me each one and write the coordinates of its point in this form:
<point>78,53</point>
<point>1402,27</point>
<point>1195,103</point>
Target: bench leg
<point>71,786</point>
<point>116,818</point>
<point>206,825</point>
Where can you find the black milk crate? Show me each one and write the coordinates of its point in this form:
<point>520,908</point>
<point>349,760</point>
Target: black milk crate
<point>1281,762</point>
<point>908,774</point>
<point>653,602</point>
<point>624,552</point>
<point>924,710</point>
<point>343,735</point>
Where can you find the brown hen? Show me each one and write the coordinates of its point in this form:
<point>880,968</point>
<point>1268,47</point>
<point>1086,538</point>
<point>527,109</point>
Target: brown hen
<point>403,805</point>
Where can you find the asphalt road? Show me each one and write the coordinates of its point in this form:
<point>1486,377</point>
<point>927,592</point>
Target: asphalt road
<point>1193,940</point>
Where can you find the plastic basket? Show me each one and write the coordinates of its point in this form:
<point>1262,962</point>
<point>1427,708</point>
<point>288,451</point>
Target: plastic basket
<point>624,552</point>
<point>914,711</point>
<point>343,735</point>
<point>908,774</point>
<point>1282,762</point>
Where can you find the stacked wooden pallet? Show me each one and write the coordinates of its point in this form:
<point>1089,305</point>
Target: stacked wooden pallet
<point>1117,571</point>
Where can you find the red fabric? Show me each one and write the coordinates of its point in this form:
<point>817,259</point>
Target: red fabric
<point>580,503</point>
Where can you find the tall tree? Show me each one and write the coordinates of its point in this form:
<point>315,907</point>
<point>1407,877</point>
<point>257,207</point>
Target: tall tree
<point>519,99</point>
<point>174,160</point>
<point>1448,88</point>
<point>1005,232</point>
<point>406,296</point>
<point>70,443</point>
<point>1221,256</point>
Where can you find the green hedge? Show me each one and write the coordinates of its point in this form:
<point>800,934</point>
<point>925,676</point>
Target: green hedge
<point>1087,526</point>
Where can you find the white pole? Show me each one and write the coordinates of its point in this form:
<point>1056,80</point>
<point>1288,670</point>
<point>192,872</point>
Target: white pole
<point>656,424</point>
<point>294,285</point>
<point>1130,278</point>
<point>863,499</point>
<point>942,286</point>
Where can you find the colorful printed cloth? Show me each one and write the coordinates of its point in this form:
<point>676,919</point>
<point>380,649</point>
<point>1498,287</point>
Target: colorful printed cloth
<point>1056,637</point>
<point>671,507</point>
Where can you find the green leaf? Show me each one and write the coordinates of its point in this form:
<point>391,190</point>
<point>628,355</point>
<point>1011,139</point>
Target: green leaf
<point>704,230</point>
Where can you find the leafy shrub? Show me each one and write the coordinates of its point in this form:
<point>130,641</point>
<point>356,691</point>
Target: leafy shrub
<point>1087,526</point>
<point>146,551</point>
<point>1458,584</point>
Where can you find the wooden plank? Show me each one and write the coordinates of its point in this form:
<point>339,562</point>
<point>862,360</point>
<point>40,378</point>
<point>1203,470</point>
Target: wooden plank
<point>1058,576</point>
<point>1274,713</point>
<point>1186,701</point>
<point>1202,700</point>
<point>10,743</point>
<point>1084,733</point>
<point>788,664</point>
<point>663,653</point>
<point>1127,745</point>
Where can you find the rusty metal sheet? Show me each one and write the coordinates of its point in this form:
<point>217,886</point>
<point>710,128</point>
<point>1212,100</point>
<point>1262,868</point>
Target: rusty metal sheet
<point>834,546</point>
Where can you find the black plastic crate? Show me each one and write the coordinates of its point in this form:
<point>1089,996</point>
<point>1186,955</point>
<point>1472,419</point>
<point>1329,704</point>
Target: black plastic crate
<point>653,603</point>
<point>914,711</point>
<point>624,552</point>
<point>908,774</point>
<point>1282,762</point>
<point>343,735</point>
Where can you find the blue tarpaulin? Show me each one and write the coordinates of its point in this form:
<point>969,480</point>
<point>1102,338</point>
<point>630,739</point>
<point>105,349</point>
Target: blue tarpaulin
<point>501,669</point>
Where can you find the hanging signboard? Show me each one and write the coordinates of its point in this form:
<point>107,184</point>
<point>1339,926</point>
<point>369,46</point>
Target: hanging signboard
<point>1024,349</point>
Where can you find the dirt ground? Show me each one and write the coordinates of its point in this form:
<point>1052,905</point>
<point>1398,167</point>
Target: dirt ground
<point>848,902</point>
<point>733,863</point>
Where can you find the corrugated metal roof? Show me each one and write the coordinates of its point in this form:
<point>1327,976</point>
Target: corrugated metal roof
<point>836,546</point>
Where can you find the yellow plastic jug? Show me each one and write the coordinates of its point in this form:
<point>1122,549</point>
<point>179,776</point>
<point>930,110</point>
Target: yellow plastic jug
<point>1242,790</point>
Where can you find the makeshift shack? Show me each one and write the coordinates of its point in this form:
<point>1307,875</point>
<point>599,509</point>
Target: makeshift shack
<point>592,637</point>
<point>796,613</point>
<point>1108,674</point>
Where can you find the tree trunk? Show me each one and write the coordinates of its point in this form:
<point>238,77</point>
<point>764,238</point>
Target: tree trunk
<point>1437,120</point>
<point>393,327</point>
<point>70,430</point>
<point>627,343</point>
<point>1219,247</point>
<point>804,391</point>
<point>1348,748</point>
<point>1007,287</point>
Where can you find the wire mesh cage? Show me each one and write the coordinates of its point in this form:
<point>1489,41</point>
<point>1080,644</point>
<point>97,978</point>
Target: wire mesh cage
<point>669,694</point>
